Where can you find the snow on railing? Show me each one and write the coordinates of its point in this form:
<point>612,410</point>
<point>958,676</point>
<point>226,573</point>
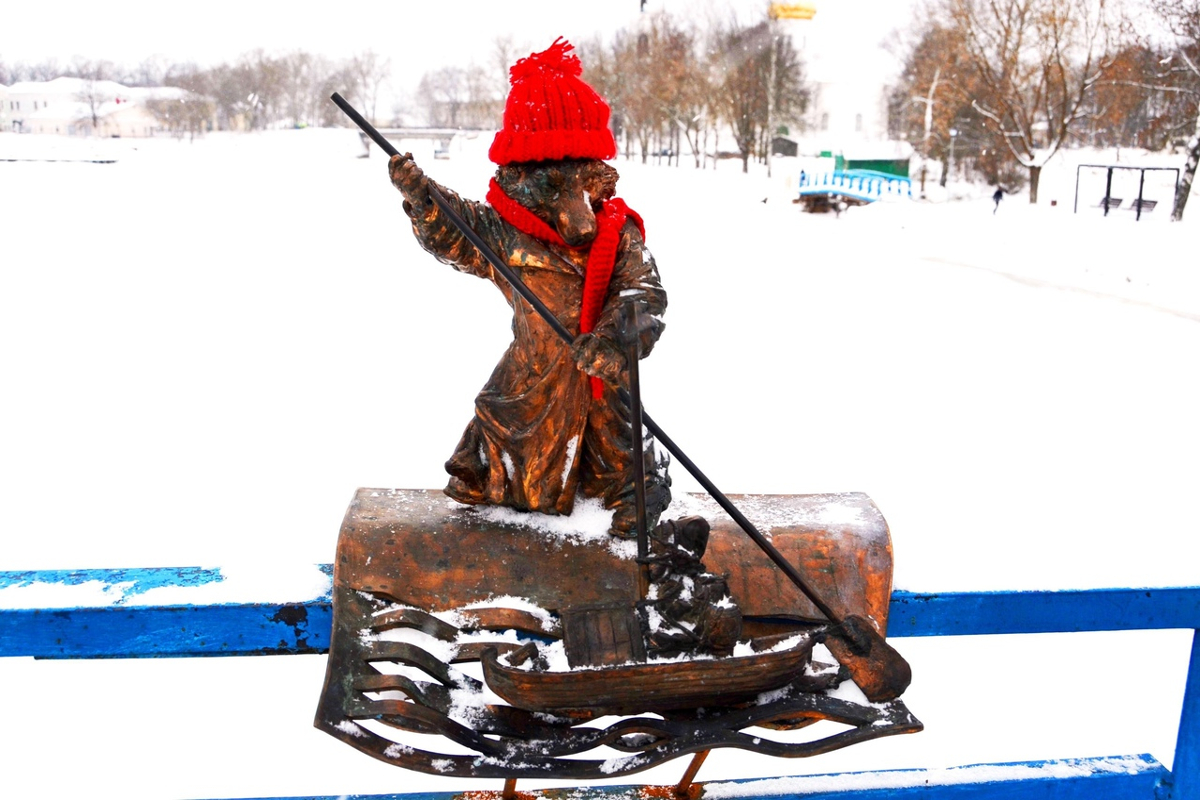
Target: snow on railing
<point>183,612</point>
<point>860,184</point>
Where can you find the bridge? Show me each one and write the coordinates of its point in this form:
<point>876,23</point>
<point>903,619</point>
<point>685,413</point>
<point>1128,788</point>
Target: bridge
<point>856,185</point>
<point>437,134</point>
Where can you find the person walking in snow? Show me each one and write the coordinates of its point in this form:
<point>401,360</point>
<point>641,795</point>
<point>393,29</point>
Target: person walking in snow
<point>548,424</point>
<point>997,196</point>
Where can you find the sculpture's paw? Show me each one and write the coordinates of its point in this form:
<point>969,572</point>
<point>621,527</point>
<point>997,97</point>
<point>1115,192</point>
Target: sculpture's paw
<point>624,523</point>
<point>618,532</point>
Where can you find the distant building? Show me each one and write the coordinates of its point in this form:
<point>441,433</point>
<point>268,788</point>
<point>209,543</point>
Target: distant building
<point>81,107</point>
<point>848,73</point>
<point>4,126</point>
<point>783,146</point>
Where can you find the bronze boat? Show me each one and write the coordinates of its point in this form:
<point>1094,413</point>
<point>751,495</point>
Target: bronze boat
<point>652,686</point>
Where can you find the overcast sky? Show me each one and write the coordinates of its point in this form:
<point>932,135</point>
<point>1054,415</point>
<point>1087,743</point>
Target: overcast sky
<point>415,36</point>
<point>217,30</point>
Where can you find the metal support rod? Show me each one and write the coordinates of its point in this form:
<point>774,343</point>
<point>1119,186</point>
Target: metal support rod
<point>1075,209</point>
<point>1175,194</point>
<point>685,783</point>
<point>1185,771</point>
<point>1141,185</point>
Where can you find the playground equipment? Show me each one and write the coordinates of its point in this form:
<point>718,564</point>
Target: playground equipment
<point>1114,197</point>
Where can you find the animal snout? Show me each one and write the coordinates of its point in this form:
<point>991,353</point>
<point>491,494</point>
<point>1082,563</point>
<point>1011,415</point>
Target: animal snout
<point>577,224</point>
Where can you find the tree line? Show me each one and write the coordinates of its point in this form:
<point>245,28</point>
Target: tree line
<point>997,86</point>
<point>1005,83</point>
<point>1002,85</point>
<point>672,87</point>
<point>256,91</point>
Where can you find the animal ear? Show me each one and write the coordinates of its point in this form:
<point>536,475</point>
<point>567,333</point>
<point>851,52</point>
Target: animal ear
<point>509,178</point>
<point>609,174</point>
<point>514,180</point>
<point>604,180</point>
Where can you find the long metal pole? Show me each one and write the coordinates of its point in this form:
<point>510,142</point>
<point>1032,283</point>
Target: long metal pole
<point>519,286</point>
<point>880,671</point>
<point>630,330</point>
<point>1075,210</point>
<point>659,434</point>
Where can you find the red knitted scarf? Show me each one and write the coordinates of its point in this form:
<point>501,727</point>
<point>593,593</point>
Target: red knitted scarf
<point>601,258</point>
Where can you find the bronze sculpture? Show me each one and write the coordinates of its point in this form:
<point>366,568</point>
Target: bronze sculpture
<point>693,626</point>
<point>542,431</point>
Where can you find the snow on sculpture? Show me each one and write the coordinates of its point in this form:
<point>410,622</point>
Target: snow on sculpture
<point>691,635</point>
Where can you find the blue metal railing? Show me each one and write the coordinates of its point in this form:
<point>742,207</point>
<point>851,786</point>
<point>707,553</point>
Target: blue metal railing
<point>860,184</point>
<point>203,612</point>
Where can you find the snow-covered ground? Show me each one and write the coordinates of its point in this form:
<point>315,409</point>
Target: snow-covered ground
<point>207,346</point>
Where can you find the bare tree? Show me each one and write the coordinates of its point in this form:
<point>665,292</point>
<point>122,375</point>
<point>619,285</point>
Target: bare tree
<point>1130,106</point>
<point>1035,62</point>
<point>676,82</point>
<point>694,114</point>
<point>641,112</point>
<point>189,115</point>
<point>737,95</point>
<point>233,88</point>
<point>150,72</point>
<point>368,71</point>
<point>192,114</point>
<point>460,97</point>
<point>443,95</point>
<point>1182,77</point>
<point>935,90</point>
<point>505,52</point>
<point>485,104</point>
<point>613,71</point>
<point>763,84</point>
<point>46,70</point>
<point>91,92</point>
<point>261,90</point>
<point>297,76</point>
<point>331,77</point>
<point>264,75</point>
<point>604,76</point>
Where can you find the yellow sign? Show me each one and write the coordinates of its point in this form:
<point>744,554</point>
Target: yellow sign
<point>792,10</point>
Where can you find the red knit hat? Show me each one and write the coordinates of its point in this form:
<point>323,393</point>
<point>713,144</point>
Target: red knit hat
<point>551,113</point>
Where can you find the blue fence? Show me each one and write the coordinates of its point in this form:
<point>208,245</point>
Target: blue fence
<point>859,184</point>
<point>202,612</point>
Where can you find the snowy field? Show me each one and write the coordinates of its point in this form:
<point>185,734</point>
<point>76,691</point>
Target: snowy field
<point>208,346</point>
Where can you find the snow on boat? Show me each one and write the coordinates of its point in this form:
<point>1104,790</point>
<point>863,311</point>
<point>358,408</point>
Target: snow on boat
<point>652,686</point>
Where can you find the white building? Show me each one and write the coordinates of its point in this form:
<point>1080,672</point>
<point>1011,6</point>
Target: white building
<point>848,71</point>
<point>81,107</point>
<point>4,126</point>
